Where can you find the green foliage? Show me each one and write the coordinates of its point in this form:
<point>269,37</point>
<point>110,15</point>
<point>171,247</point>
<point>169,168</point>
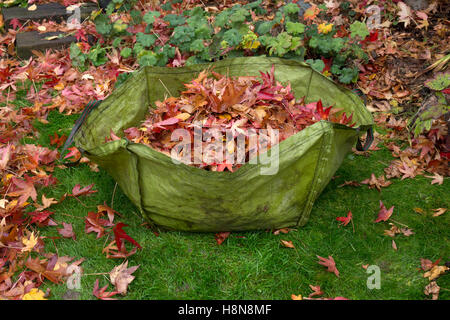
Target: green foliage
<point>317,64</point>
<point>295,28</point>
<point>97,55</point>
<point>440,82</point>
<point>233,33</point>
<point>77,57</point>
<point>149,17</point>
<point>146,40</point>
<point>360,29</point>
<point>126,52</point>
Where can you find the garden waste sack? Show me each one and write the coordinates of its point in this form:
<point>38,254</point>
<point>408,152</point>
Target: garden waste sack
<point>260,194</point>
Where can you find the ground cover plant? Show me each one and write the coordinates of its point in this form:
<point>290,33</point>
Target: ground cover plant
<point>68,232</point>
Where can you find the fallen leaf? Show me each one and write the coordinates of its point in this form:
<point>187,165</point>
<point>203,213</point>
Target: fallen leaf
<point>394,245</point>
<point>67,231</point>
<point>439,211</point>
<point>34,294</point>
<point>288,244</point>
<point>221,236</point>
<point>121,277</point>
<point>316,291</point>
<point>433,289</point>
<point>384,214</point>
<point>296,297</point>
<point>437,178</point>
<point>330,264</point>
<point>121,235</point>
<point>377,183</point>
<point>435,272</point>
<point>102,294</point>
<point>345,220</point>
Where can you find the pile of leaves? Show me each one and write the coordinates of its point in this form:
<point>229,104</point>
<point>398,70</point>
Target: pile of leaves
<point>234,105</point>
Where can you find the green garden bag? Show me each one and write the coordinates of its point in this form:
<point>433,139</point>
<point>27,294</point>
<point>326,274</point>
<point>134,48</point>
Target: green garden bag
<point>182,197</point>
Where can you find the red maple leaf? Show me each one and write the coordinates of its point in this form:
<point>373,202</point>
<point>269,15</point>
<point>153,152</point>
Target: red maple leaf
<point>94,223</point>
<point>384,214</point>
<point>221,236</point>
<point>101,293</point>
<point>42,218</point>
<point>78,191</point>
<point>24,188</point>
<point>330,264</point>
<point>345,220</point>
<point>15,23</point>
<point>121,235</point>
<point>74,152</point>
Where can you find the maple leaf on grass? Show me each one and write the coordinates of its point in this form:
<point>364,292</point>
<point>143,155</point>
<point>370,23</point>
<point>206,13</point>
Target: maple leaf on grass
<point>109,211</point>
<point>384,214</point>
<point>221,237</point>
<point>375,182</point>
<point>42,218</point>
<point>78,191</point>
<point>24,189</point>
<point>67,231</point>
<point>287,244</point>
<point>101,293</point>
<point>439,211</point>
<point>112,252</point>
<point>437,179</point>
<point>121,235</point>
<point>121,277</point>
<point>330,264</point>
<point>74,154</point>
<point>94,223</point>
<point>345,220</point>
<point>316,291</point>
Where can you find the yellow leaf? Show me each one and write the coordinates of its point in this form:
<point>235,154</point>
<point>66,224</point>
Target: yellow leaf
<point>435,272</point>
<point>42,28</point>
<point>294,297</point>
<point>325,28</point>
<point>29,243</point>
<point>226,116</point>
<point>59,86</point>
<point>183,116</point>
<point>32,7</point>
<point>34,294</point>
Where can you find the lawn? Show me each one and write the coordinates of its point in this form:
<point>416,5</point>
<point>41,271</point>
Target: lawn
<point>255,265</point>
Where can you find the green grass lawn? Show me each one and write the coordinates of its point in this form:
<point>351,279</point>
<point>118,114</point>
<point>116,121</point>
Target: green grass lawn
<point>255,265</point>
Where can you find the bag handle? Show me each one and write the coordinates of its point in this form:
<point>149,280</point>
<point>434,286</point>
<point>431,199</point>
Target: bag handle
<point>87,110</point>
<point>367,143</point>
<point>369,135</point>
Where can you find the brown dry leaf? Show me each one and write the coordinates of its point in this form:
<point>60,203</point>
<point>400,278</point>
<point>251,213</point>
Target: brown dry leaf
<point>282,230</point>
<point>433,289</point>
<point>288,244</point>
<point>392,231</point>
<point>406,232</point>
<point>375,182</point>
<point>439,211</point>
<point>317,291</point>
<point>394,245</point>
<point>437,178</point>
<point>46,202</point>
<point>435,272</point>
<point>121,277</point>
